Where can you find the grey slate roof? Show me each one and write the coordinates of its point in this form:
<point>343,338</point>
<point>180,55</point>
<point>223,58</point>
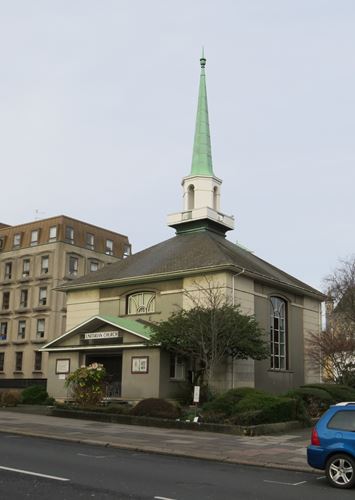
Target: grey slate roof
<point>188,253</point>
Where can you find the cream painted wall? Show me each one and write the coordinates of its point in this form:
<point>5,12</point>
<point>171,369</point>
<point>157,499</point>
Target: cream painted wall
<point>311,324</point>
<point>81,305</point>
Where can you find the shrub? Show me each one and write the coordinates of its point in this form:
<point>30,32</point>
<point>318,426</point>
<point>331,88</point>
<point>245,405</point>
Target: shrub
<point>225,403</point>
<point>87,385</point>
<point>270,410</point>
<point>34,395</point>
<point>315,399</point>
<point>338,392</point>
<point>9,398</point>
<point>155,407</point>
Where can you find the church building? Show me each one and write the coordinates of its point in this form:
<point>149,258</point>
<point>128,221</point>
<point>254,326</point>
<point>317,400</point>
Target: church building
<point>109,311</point>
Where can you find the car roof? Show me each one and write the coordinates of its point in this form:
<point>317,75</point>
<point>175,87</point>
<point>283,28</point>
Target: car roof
<point>346,403</point>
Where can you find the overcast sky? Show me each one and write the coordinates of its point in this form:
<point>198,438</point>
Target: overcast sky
<point>97,114</point>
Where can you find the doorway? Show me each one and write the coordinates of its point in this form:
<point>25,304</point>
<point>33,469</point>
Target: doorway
<point>113,366</point>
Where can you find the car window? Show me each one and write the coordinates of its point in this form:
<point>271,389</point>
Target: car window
<point>343,420</point>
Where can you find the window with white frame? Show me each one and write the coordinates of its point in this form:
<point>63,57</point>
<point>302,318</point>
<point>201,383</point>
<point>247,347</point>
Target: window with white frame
<point>25,268</point>
<point>278,334</point>
<point>73,265</point>
<point>34,237</point>
<point>109,247</point>
<point>18,361</point>
<point>17,240</point>
<point>42,299</point>
<point>44,264</point>
<point>90,241</point>
<point>5,301</point>
<point>94,266</point>
<point>177,367</point>
<point>38,361</point>
<point>69,234</point>
<point>21,329</point>
<point>41,323</point>
<point>8,271</point>
<point>126,250</point>
<point>24,298</point>
<point>3,330</point>
<point>141,303</point>
<point>53,233</point>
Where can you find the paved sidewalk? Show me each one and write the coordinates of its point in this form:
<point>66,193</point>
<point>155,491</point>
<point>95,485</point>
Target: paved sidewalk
<point>286,451</point>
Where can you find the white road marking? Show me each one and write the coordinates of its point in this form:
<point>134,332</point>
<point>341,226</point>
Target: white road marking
<point>91,456</point>
<point>321,477</point>
<point>163,498</point>
<point>286,484</point>
<point>34,474</point>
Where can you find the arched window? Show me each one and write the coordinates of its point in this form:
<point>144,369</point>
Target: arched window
<point>190,197</point>
<point>278,334</point>
<point>141,303</point>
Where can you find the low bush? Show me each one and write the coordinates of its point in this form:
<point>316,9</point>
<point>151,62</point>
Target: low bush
<point>9,398</point>
<point>224,404</point>
<point>34,395</point>
<point>338,392</point>
<point>156,407</point>
<point>315,399</point>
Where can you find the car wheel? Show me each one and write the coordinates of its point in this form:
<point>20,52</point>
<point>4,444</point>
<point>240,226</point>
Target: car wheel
<point>340,471</point>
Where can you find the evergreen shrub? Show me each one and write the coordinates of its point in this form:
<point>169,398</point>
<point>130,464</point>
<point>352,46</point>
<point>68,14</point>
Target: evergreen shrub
<point>338,392</point>
<point>315,399</point>
<point>34,395</point>
<point>155,407</point>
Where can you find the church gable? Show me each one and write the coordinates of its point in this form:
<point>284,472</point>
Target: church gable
<point>102,332</point>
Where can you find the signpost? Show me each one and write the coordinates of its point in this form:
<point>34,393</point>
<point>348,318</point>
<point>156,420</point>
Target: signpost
<point>196,400</point>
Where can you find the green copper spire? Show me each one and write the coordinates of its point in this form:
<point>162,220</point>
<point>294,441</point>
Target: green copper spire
<point>202,157</point>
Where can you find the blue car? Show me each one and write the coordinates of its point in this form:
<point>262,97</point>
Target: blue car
<point>332,445</point>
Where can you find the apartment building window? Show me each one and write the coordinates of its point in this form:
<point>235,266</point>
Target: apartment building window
<point>8,271</point>
<point>5,301</point>
<point>126,250</point>
<point>53,233</point>
<point>34,237</point>
<point>90,241</point>
<point>42,296</point>
<point>69,234</point>
<point>73,265</point>
<point>94,266</point>
<point>2,361</point>
<point>40,328</point>
<point>21,329</point>
<point>18,361</point>
<point>25,268</point>
<point>24,298</point>
<point>2,242</point>
<point>44,264</point>
<point>38,361</point>
<point>109,247</point>
<point>17,240</point>
<point>3,330</point>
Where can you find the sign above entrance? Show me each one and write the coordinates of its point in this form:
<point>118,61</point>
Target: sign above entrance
<point>102,335</point>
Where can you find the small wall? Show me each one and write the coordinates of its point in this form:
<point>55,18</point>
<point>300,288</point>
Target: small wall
<point>55,384</point>
<point>136,386</point>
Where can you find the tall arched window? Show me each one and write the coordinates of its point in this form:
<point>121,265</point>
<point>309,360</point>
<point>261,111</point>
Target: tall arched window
<point>141,303</point>
<point>190,197</point>
<point>278,334</point>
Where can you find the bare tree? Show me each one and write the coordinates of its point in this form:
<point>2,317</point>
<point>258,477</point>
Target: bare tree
<point>334,349</point>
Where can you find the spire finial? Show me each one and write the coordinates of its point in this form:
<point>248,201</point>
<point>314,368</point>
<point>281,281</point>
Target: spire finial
<point>203,59</point>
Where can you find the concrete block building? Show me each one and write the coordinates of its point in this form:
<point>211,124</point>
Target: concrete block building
<point>35,258</point>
